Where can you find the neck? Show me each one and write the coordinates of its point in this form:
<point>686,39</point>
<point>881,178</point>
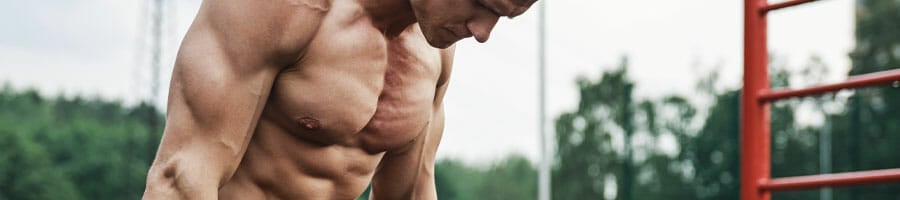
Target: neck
<point>389,16</point>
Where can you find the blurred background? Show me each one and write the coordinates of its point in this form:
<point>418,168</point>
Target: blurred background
<point>642,99</point>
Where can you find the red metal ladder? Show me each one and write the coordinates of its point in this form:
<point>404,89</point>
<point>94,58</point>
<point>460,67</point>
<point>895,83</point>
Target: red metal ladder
<point>756,180</point>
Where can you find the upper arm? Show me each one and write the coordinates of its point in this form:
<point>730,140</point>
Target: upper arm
<point>223,73</point>
<point>410,174</point>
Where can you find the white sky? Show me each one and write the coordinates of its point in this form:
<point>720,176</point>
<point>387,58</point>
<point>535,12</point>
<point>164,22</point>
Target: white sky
<point>93,47</point>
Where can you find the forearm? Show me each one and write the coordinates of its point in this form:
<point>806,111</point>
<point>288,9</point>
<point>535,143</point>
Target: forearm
<point>396,183</point>
<point>169,182</point>
<point>194,171</point>
<point>426,191</point>
<point>421,192</point>
<point>167,192</point>
<point>194,160</point>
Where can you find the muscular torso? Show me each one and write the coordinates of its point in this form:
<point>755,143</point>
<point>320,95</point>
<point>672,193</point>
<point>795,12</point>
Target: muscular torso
<point>353,96</point>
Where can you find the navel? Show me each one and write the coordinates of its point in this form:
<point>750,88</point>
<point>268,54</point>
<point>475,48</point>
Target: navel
<point>309,123</point>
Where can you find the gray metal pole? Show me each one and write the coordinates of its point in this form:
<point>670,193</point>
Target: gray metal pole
<point>546,156</point>
<point>155,48</point>
<point>156,51</point>
<point>825,155</point>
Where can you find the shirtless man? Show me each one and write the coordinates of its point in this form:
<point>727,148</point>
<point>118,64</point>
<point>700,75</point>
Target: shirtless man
<point>313,99</point>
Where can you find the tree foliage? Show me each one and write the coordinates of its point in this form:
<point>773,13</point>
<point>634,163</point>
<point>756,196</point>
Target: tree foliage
<point>71,148</point>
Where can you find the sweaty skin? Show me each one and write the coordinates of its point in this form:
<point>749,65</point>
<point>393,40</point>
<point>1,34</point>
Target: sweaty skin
<point>313,99</point>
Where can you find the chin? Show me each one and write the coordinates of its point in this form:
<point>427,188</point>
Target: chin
<point>440,44</point>
<point>437,37</point>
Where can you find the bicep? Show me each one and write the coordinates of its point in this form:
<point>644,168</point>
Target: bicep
<point>223,74</point>
<point>212,110</point>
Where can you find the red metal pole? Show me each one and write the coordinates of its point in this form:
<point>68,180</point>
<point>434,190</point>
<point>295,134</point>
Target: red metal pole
<point>785,5</point>
<point>754,113</point>
<point>877,78</point>
<point>837,179</point>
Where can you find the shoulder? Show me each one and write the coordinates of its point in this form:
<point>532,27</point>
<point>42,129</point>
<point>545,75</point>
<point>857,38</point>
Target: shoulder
<point>264,12</point>
<point>278,28</point>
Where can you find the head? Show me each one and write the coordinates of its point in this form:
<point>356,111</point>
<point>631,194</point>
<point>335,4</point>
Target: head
<point>446,21</point>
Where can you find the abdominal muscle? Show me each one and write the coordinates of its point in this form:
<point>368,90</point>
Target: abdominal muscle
<point>278,165</point>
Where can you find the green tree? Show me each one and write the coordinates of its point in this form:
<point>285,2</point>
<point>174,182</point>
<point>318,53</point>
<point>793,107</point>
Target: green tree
<point>867,132</point>
<point>714,152</point>
<point>27,172</point>
<point>457,181</point>
<point>86,148</point>
<point>585,156</point>
<point>512,178</point>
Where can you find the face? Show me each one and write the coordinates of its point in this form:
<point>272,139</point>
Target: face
<point>446,21</point>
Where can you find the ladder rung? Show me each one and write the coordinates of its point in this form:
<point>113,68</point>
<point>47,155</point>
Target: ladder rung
<point>785,4</point>
<point>865,80</point>
<point>836,179</point>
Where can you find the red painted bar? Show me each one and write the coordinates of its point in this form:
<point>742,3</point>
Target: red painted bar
<point>836,179</point>
<point>755,151</point>
<point>784,5</point>
<point>866,80</point>
<point>756,183</point>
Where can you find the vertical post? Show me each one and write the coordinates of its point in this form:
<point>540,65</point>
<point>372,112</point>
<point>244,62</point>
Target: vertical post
<point>156,51</point>
<point>755,156</point>
<point>825,155</point>
<point>855,140</point>
<point>546,156</point>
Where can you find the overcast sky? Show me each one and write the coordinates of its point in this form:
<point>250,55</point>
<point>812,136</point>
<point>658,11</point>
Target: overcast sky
<point>96,48</point>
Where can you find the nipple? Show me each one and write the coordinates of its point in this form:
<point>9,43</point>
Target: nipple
<point>309,123</point>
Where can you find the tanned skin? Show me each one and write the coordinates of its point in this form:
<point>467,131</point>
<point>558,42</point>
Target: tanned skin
<point>313,99</point>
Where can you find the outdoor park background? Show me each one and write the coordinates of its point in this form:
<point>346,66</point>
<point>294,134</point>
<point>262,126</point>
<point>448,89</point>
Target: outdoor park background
<point>661,80</point>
